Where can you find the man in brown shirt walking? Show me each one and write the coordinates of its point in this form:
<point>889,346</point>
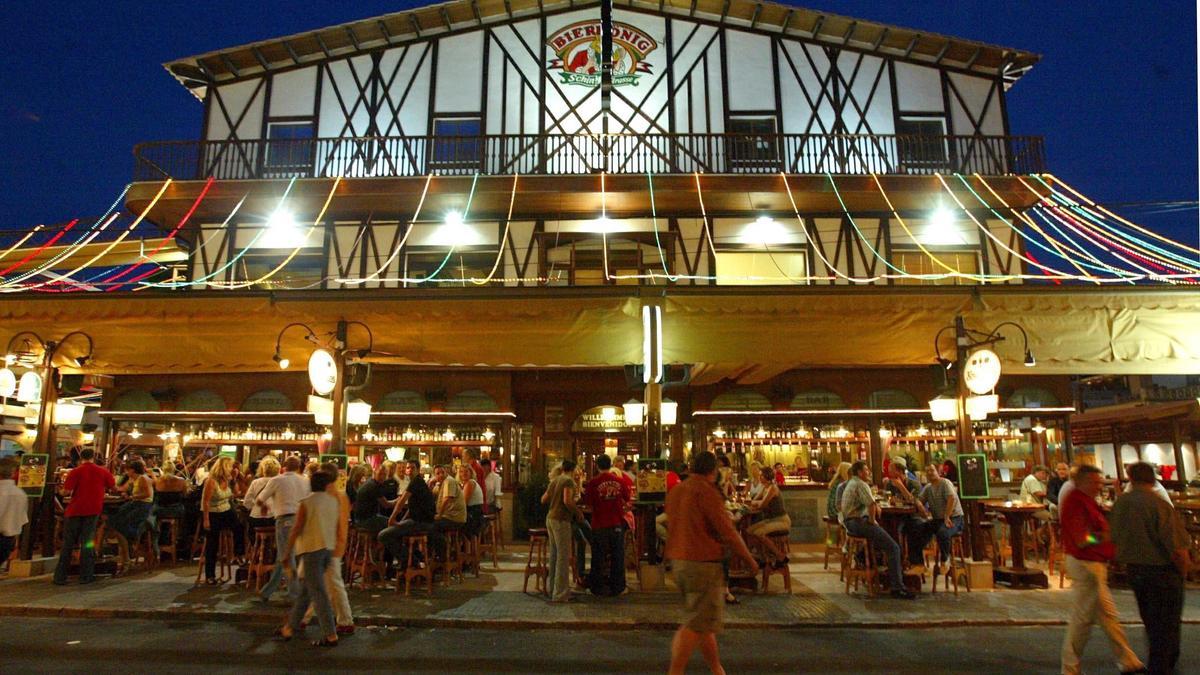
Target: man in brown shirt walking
<point>699,525</point>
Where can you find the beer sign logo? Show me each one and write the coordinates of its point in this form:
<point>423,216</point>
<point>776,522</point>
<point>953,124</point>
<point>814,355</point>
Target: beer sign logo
<point>578,51</point>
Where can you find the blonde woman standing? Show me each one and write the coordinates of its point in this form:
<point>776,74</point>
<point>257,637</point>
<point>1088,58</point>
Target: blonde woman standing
<point>261,516</point>
<point>216,505</point>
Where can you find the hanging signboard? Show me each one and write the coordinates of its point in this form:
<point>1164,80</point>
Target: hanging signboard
<point>322,371</point>
<point>982,371</point>
<point>32,478</point>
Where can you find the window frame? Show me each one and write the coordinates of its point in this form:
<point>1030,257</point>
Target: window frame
<point>466,151</point>
<point>752,153</point>
<point>909,154</point>
<point>301,167</point>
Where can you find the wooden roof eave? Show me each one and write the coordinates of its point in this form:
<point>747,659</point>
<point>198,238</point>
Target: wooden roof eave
<point>227,65</point>
<point>1188,410</point>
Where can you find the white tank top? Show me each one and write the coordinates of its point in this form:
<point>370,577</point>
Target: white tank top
<point>321,512</point>
<point>476,495</point>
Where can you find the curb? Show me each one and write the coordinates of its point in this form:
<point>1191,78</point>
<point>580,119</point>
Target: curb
<point>519,624</point>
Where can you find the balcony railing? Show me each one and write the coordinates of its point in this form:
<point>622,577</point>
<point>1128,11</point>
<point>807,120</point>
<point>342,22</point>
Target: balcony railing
<point>564,154</point>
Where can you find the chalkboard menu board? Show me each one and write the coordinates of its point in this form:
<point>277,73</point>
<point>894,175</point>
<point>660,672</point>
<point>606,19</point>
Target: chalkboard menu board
<point>973,477</point>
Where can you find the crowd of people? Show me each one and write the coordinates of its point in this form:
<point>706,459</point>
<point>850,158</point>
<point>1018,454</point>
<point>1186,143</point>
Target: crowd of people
<point>311,517</point>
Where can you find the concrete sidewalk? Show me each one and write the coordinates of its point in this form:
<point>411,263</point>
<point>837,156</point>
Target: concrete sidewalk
<point>495,600</point>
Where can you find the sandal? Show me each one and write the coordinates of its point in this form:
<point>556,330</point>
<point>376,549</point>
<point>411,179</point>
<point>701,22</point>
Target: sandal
<point>280,636</point>
<point>325,642</point>
<point>731,599</point>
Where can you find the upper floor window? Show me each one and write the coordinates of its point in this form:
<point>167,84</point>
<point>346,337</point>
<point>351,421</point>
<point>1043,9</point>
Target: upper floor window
<point>921,263</point>
<point>753,144</point>
<point>458,268</point>
<point>289,149</point>
<point>457,144</point>
<point>921,144</point>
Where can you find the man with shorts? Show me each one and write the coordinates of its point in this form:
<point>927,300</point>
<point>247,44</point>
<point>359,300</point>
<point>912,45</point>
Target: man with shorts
<point>699,526</point>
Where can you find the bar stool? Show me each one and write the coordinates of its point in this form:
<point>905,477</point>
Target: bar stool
<point>489,537</point>
<point>142,548</point>
<point>362,561</point>
<point>169,526</point>
<point>780,540</point>
<point>470,554</point>
<point>537,563</point>
<point>860,564</point>
<point>956,564</point>
<point>225,557</point>
<point>834,539</point>
<point>417,565</point>
<point>451,563</point>
<point>262,557</point>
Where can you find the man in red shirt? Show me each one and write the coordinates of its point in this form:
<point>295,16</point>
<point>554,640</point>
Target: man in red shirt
<point>699,526</point>
<point>86,484</point>
<point>1089,548</point>
<point>607,495</point>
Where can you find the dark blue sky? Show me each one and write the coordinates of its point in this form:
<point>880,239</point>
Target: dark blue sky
<point>81,83</point>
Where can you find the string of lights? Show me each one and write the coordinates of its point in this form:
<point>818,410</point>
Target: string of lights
<point>1073,229</point>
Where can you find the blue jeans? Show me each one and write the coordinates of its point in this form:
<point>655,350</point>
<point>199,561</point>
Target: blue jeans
<point>283,530</point>
<point>608,561</point>
<point>582,534</point>
<point>313,590</point>
<point>919,536</point>
<point>881,541</point>
<point>78,531</point>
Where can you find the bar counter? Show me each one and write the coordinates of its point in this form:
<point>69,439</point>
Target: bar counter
<point>805,505</point>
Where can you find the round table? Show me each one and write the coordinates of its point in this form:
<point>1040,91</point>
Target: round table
<point>1017,575</point>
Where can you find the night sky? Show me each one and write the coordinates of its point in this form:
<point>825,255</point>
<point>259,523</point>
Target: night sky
<point>81,83</point>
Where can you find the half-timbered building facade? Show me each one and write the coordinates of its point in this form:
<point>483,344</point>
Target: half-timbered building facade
<point>668,174</point>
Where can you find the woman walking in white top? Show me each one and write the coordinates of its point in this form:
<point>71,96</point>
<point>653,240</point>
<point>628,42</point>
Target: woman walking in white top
<point>318,535</point>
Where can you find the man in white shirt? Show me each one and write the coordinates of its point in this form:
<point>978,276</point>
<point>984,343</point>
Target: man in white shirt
<point>1033,488</point>
<point>491,487</point>
<point>14,504</point>
<point>283,493</point>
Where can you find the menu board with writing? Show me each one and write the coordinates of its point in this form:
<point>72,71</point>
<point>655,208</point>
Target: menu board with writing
<point>651,480</point>
<point>973,477</point>
<point>32,478</point>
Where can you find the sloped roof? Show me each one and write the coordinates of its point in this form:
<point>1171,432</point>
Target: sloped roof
<point>232,63</point>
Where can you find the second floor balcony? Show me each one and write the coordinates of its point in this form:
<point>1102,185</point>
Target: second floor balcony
<point>575,154</point>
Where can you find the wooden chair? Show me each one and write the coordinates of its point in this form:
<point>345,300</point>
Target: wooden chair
<point>834,539</point>
<point>956,565</point>
<point>262,558</point>
<point>417,564</point>
<point>537,565</point>
<point>860,564</point>
<point>225,557</point>
<point>780,539</point>
<point>362,562</point>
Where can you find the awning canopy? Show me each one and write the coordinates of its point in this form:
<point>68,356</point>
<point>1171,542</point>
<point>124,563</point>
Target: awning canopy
<point>746,334</point>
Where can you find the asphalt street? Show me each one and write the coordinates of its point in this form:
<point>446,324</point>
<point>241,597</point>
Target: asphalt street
<point>30,645</point>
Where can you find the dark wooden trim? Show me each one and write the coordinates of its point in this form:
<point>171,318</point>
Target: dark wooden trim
<point>433,92</point>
